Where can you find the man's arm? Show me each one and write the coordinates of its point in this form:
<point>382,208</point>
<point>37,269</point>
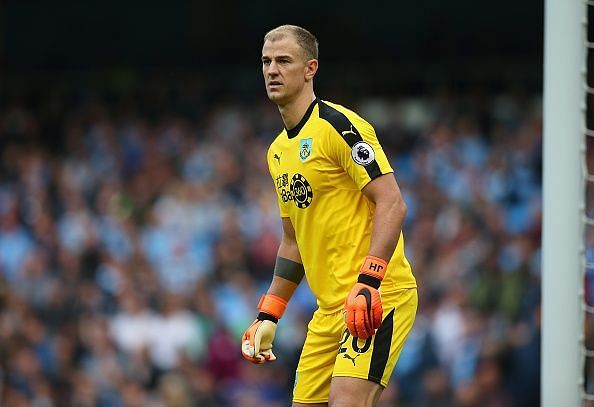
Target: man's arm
<point>363,305</point>
<point>288,273</point>
<point>388,218</point>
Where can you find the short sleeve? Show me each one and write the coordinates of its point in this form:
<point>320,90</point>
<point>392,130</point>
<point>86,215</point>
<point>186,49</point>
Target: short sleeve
<point>356,148</point>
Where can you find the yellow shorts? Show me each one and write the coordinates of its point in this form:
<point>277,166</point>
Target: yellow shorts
<point>330,350</point>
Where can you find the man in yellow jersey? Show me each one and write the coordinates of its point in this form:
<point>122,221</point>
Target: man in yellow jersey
<point>342,214</point>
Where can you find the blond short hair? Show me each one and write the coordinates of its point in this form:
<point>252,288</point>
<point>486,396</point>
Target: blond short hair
<point>306,40</point>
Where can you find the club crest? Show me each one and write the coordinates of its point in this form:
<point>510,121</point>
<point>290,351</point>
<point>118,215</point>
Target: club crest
<point>305,146</point>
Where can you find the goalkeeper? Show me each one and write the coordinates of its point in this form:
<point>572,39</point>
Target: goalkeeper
<point>342,214</point>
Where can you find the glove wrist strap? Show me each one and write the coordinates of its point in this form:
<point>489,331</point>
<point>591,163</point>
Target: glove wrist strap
<point>374,267</point>
<point>262,316</point>
<point>370,281</point>
<point>272,305</point>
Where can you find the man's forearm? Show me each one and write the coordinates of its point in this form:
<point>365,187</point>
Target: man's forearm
<point>387,225</point>
<point>288,249</point>
<point>288,270</point>
<point>282,287</point>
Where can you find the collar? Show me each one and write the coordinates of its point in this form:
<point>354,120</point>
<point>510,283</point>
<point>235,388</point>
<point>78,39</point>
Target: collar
<point>295,130</point>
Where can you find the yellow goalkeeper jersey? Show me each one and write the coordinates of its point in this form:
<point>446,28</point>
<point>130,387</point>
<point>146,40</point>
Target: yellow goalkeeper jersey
<point>319,168</point>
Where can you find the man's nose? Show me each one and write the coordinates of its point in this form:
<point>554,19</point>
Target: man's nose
<point>272,68</point>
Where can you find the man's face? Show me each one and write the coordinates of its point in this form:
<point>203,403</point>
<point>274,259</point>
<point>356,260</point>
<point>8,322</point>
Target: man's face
<point>284,69</point>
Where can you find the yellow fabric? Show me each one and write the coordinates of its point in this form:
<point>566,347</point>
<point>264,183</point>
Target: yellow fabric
<point>318,183</point>
<point>329,350</point>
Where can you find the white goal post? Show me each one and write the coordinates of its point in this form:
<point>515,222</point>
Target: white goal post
<point>563,200</point>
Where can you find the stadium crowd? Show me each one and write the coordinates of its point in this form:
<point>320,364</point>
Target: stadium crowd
<point>137,234</point>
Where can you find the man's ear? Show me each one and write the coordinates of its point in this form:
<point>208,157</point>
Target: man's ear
<point>311,67</point>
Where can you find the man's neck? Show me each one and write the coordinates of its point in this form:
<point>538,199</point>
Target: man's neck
<point>293,112</point>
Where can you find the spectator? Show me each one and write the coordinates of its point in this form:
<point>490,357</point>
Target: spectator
<point>132,253</point>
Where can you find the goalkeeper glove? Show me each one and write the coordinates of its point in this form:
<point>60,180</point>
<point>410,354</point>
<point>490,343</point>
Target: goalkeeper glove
<point>256,343</point>
<point>363,306</point>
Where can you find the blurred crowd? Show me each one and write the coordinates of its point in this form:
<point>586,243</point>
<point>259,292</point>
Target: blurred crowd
<point>137,236</point>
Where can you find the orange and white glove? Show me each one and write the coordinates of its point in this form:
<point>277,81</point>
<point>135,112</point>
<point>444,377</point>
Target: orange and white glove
<point>256,343</point>
<point>363,306</point>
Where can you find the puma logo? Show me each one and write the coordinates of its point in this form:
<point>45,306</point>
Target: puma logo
<point>277,157</point>
<point>344,133</point>
<point>349,357</point>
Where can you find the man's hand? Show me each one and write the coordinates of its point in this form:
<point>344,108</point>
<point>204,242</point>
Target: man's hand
<point>363,306</point>
<point>363,311</point>
<point>256,343</point>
